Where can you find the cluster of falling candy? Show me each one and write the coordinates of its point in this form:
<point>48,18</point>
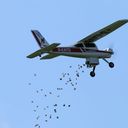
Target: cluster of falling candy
<point>49,112</point>
<point>45,113</point>
<point>72,79</point>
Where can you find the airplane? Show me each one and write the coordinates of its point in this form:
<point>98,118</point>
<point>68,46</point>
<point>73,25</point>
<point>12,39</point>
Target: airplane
<point>85,48</point>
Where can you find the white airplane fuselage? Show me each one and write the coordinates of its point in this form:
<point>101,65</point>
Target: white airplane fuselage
<point>82,52</point>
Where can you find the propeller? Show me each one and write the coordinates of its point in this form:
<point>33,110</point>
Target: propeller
<point>114,49</point>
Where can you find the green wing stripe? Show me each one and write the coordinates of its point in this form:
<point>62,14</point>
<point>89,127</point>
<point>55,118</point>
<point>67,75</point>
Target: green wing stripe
<point>102,32</point>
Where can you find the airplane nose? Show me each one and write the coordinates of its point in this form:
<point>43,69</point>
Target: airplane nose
<point>111,50</point>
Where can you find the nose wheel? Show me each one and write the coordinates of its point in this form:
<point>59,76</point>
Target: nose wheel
<point>111,64</point>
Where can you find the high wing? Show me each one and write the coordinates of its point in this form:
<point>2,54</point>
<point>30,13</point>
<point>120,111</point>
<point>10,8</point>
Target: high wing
<point>102,32</point>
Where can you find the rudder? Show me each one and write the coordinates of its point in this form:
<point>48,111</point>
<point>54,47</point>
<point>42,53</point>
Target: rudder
<point>42,42</point>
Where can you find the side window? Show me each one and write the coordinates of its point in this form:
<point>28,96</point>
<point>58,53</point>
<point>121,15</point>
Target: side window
<point>90,45</point>
<point>79,45</point>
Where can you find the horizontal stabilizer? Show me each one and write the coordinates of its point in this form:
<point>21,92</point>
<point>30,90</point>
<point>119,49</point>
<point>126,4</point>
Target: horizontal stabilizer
<point>49,56</point>
<point>43,50</point>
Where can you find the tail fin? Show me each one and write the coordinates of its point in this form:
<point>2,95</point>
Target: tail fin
<point>40,39</point>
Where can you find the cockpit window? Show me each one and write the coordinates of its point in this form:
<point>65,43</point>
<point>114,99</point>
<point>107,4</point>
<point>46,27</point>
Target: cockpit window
<point>86,45</point>
<point>90,45</point>
<point>79,45</point>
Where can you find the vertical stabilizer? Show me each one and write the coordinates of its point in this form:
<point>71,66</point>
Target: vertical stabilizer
<point>40,39</point>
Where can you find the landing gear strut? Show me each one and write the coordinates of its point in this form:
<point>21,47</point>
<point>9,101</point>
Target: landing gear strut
<point>92,73</point>
<point>111,64</point>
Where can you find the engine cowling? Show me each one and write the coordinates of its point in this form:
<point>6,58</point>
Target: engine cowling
<point>110,50</point>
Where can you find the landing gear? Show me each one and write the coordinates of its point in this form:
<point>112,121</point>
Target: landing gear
<point>92,73</point>
<point>111,64</point>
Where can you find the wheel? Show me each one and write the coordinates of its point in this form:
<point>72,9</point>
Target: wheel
<point>111,65</point>
<point>92,74</point>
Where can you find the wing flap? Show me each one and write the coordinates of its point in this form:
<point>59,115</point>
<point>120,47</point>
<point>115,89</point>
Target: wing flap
<point>102,32</point>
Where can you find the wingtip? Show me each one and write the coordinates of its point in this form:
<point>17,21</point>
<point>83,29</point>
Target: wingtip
<point>124,20</point>
<point>29,56</point>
